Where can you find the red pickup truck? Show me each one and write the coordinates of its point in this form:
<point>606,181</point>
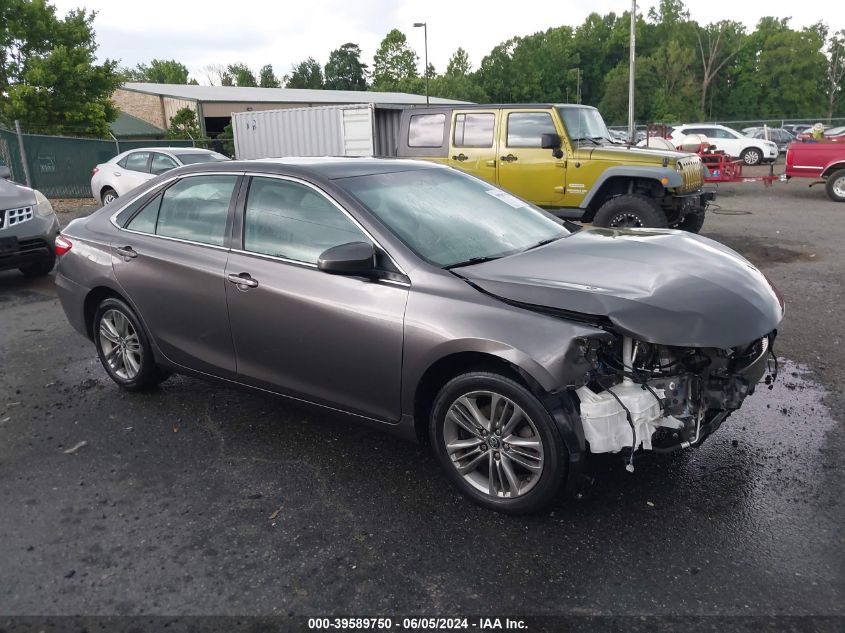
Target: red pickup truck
<point>823,161</point>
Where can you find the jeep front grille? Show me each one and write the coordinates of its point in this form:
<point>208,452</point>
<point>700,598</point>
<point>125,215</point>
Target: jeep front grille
<point>11,217</point>
<point>690,168</point>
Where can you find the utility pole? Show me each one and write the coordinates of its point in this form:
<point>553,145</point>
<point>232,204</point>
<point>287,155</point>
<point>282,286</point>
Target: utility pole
<point>631,72</point>
<point>424,26</point>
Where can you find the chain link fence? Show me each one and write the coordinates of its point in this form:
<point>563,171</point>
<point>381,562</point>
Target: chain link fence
<point>61,166</point>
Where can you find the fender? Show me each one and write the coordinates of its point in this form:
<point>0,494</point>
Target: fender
<point>650,172</point>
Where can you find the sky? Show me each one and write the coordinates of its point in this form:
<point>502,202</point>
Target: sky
<point>280,32</point>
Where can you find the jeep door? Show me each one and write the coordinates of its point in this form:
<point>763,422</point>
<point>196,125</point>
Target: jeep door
<point>524,167</point>
<point>472,142</point>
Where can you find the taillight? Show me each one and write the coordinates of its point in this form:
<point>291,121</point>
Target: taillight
<point>94,172</point>
<point>63,245</point>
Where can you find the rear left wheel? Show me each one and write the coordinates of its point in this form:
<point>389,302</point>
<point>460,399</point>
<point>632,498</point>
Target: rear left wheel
<point>497,443</point>
<point>109,196</point>
<point>836,186</point>
<point>123,347</point>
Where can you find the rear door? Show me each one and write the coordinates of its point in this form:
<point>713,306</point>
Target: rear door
<point>170,260</point>
<point>473,142</point>
<point>331,339</point>
<point>131,171</point>
<point>524,167</point>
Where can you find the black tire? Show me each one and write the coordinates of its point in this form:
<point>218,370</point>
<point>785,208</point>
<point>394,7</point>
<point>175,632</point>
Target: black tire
<point>631,210</point>
<point>692,222</point>
<point>148,374</point>
<point>835,186</point>
<point>545,486</point>
<point>108,192</point>
<point>39,269</point>
<point>752,156</point>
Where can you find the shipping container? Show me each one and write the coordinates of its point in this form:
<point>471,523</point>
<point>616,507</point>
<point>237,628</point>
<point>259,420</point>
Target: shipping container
<point>365,129</point>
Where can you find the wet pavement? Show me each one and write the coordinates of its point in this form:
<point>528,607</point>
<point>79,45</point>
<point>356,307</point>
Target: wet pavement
<point>197,499</point>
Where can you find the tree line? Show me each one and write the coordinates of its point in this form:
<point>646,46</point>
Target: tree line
<point>49,78</point>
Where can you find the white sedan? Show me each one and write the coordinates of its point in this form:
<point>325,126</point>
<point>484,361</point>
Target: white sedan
<point>126,171</point>
<point>752,151</point>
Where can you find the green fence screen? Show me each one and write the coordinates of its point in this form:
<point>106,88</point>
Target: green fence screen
<point>61,166</point>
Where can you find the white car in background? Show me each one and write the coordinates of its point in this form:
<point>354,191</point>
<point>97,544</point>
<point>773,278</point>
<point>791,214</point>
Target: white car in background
<point>126,171</point>
<point>752,151</point>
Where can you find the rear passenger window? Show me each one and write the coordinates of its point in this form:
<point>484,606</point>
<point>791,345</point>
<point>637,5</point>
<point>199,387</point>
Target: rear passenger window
<point>289,220</point>
<point>196,209</point>
<point>525,129</point>
<point>426,130</point>
<point>137,161</point>
<point>145,221</point>
<point>474,130</point>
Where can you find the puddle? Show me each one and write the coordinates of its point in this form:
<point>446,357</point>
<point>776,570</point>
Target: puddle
<point>762,252</point>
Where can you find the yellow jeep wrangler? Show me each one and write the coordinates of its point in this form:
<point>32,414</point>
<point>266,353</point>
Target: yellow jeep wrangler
<point>562,158</point>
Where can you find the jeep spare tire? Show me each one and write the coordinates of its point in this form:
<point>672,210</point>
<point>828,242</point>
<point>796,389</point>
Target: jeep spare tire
<point>631,210</point>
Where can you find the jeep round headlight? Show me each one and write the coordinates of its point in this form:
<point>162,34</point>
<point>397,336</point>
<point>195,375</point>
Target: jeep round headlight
<point>43,208</point>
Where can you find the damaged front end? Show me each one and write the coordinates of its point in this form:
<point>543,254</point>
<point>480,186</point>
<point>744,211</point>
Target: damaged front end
<point>663,398</point>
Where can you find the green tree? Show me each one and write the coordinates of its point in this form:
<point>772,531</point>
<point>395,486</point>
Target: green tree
<point>459,63</point>
<point>305,74</point>
<point>241,75</point>
<point>718,44</point>
<point>267,78</point>
<point>592,45</point>
<point>344,70</point>
<point>184,124</point>
<point>159,71</point>
<point>48,76</point>
<point>395,63</point>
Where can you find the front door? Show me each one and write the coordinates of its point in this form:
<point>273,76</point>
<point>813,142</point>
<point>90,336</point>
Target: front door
<point>472,144</point>
<point>170,260</point>
<point>524,167</point>
<point>325,338</point>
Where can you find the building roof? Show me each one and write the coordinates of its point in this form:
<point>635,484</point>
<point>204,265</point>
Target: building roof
<point>227,94</point>
<point>126,125</point>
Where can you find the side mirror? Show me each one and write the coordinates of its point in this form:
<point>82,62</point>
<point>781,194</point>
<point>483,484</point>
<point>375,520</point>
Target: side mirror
<point>354,258</point>
<point>5,172</point>
<point>552,142</point>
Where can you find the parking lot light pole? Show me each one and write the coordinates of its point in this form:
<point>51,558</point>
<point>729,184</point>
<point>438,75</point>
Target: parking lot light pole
<point>424,26</point>
<point>631,69</point>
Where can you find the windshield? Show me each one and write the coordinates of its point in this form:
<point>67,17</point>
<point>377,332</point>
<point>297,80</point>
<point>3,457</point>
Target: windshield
<point>194,158</point>
<point>452,219</point>
<point>584,123</point>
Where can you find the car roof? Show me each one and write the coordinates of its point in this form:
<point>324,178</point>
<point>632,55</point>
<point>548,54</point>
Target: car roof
<point>322,167</point>
<point>181,150</point>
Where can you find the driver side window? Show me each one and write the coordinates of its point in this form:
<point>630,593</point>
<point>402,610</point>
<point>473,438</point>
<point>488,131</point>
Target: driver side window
<point>293,221</point>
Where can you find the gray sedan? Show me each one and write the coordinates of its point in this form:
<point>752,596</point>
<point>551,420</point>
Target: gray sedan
<point>426,302</point>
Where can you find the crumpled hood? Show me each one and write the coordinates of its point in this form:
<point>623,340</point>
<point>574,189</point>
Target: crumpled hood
<point>660,286</point>
<point>13,196</point>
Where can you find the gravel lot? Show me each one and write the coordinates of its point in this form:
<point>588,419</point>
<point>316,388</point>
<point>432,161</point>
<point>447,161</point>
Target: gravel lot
<point>197,499</point>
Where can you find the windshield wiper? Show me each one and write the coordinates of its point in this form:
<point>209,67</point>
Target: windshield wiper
<point>473,260</point>
<point>586,138</point>
<point>544,242</point>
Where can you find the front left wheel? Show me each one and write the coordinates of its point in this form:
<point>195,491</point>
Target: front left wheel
<point>123,347</point>
<point>497,443</point>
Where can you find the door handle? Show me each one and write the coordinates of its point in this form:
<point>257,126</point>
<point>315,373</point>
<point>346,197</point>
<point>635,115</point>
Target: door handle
<point>126,252</point>
<point>508,159</point>
<point>460,157</point>
<point>243,281</point>
<point>118,174</point>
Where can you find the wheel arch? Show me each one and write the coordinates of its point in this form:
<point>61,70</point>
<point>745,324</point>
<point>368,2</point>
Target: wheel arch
<point>454,364</point>
<point>94,298</point>
<point>617,184</point>
<point>833,167</point>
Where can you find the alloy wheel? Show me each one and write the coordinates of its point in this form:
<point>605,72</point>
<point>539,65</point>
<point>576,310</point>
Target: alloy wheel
<point>120,344</point>
<point>752,157</point>
<point>493,444</point>
<point>626,221</point>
